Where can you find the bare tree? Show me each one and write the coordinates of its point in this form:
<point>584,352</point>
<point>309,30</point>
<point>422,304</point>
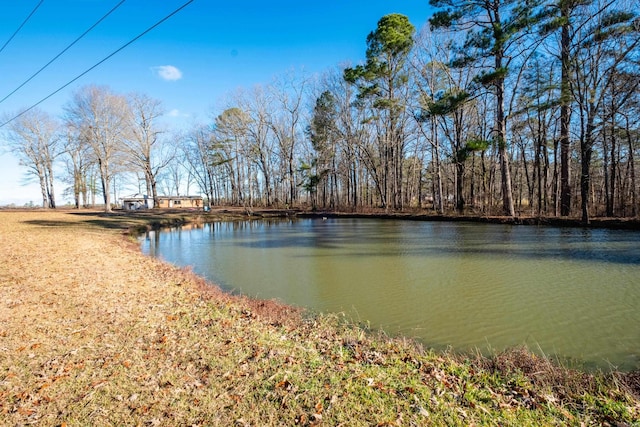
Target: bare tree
<point>171,179</point>
<point>230,132</point>
<point>102,120</point>
<point>352,136</point>
<point>144,150</point>
<point>428,66</point>
<point>286,125</point>
<point>606,42</point>
<point>257,105</point>
<point>79,163</point>
<point>33,138</point>
<point>200,160</point>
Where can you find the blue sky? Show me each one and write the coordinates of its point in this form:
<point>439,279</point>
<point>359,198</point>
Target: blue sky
<point>189,62</point>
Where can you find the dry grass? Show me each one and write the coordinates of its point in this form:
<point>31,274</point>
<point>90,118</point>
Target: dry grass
<point>94,333</point>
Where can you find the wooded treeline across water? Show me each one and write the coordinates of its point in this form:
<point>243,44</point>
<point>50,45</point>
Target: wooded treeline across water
<point>493,107</point>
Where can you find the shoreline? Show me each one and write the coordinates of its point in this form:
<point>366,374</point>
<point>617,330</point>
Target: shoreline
<point>236,213</point>
<point>595,223</point>
<point>98,333</point>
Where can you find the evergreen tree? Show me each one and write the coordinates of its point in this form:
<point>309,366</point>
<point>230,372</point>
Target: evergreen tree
<point>381,81</point>
<point>494,28</point>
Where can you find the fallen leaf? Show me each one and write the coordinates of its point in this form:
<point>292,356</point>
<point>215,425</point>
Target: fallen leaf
<point>25,411</point>
<point>98,383</point>
<point>285,384</point>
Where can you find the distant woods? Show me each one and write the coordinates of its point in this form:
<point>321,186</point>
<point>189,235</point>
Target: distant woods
<point>493,107</point>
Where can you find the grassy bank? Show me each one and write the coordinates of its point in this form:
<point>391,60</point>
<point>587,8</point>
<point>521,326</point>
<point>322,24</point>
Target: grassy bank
<point>94,333</point>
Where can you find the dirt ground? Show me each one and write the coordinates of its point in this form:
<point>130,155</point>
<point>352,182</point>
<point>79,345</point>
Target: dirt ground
<point>74,298</point>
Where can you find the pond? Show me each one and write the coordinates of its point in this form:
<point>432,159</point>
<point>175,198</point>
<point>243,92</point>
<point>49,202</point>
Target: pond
<point>566,292</point>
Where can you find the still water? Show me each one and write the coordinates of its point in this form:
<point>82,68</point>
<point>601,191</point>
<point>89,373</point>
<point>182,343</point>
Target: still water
<point>571,293</point>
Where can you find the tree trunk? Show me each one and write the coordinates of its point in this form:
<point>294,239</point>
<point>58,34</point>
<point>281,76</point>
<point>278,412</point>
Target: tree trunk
<point>634,191</point>
<point>507,192</point>
<point>77,188</point>
<point>43,189</point>
<point>438,198</point>
<point>586,150</point>
<point>459,187</point>
<point>565,114</point>
<point>505,173</point>
<point>104,181</point>
<point>614,165</point>
<point>556,182</point>
<point>538,173</point>
<point>608,198</point>
<point>154,193</point>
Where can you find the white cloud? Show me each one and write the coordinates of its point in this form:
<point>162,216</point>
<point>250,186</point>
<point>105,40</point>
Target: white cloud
<point>167,72</point>
<point>175,113</point>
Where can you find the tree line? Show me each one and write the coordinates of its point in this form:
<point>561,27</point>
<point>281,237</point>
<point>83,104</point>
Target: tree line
<point>493,107</point>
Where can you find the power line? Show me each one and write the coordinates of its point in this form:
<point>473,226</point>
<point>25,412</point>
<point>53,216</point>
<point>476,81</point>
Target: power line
<point>63,51</point>
<point>98,63</point>
<point>21,25</point>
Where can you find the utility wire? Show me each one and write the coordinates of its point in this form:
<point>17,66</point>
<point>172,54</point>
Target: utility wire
<point>63,51</point>
<point>21,25</point>
<point>98,63</point>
